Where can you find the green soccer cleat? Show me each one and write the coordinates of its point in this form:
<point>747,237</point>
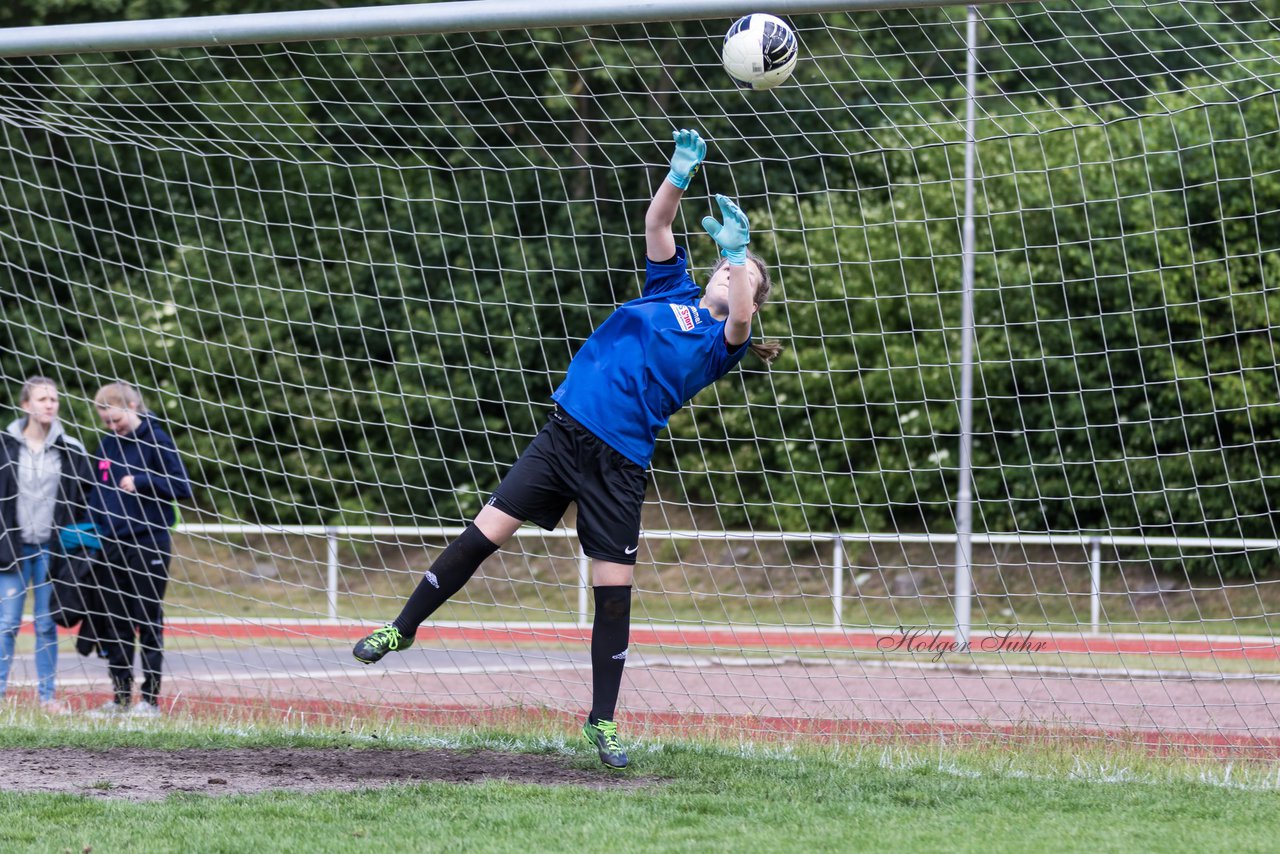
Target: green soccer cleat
<point>604,736</point>
<point>375,646</point>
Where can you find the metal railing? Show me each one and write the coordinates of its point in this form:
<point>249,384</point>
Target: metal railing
<point>1093,543</point>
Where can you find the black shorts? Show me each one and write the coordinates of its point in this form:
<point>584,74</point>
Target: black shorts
<point>567,462</point>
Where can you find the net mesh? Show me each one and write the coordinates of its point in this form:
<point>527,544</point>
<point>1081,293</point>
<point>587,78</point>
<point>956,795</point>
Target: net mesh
<point>347,275</point>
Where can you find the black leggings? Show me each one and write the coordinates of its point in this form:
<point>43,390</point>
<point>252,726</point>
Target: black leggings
<point>133,584</point>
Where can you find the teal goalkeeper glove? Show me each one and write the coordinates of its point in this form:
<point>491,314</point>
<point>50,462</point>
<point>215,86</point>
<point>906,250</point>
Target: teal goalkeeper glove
<point>690,149</point>
<point>734,235</point>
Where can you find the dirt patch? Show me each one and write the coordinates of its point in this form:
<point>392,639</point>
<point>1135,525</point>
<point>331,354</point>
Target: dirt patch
<point>139,774</point>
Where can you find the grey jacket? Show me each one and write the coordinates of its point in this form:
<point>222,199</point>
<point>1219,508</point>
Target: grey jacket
<point>68,504</point>
<point>38,475</point>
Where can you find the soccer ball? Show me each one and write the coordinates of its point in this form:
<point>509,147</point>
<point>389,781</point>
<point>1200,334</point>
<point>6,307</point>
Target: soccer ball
<point>760,51</point>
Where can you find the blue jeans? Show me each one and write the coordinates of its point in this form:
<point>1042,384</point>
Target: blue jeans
<point>32,571</point>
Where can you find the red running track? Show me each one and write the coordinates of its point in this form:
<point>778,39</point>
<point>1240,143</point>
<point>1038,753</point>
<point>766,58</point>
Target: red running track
<point>687,675</point>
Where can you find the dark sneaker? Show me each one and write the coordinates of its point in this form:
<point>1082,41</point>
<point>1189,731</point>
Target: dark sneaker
<point>378,644</point>
<point>604,735</point>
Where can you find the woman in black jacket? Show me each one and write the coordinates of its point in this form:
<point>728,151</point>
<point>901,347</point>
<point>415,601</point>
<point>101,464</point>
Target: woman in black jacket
<point>139,478</point>
<point>44,475</point>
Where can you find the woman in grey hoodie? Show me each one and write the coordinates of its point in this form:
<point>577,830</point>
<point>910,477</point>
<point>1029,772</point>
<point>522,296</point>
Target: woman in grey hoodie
<point>44,475</point>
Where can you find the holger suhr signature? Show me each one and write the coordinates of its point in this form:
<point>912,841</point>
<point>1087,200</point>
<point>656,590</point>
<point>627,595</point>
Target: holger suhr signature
<point>934,643</point>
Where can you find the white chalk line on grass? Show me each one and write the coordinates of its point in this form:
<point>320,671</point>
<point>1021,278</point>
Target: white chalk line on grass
<point>333,673</point>
<point>359,672</point>
<point>694,662</point>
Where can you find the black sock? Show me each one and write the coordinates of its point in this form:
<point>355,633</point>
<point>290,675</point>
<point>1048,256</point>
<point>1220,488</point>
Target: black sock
<point>122,687</point>
<point>609,637</point>
<point>447,575</point>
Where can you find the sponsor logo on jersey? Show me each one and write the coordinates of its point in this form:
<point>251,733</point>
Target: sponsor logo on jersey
<point>685,316</point>
<point>432,580</point>
<point>622,656</point>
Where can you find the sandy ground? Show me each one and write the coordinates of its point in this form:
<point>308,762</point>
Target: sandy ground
<point>138,774</point>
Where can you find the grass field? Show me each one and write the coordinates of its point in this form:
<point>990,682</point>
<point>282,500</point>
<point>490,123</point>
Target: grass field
<point>688,796</point>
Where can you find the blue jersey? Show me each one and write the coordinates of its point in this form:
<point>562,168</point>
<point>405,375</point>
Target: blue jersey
<point>646,361</point>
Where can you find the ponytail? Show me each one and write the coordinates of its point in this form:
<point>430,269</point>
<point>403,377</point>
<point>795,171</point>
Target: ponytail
<point>767,350</point>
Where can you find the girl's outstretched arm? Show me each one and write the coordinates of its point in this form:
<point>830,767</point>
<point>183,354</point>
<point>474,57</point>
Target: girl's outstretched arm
<point>660,243</point>
<point>732,236</point>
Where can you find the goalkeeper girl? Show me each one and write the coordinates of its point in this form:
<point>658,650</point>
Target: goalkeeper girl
<point>645,362</point>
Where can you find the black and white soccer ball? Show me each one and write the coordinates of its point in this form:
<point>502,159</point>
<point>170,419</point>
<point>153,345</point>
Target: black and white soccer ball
<point>760,51</point>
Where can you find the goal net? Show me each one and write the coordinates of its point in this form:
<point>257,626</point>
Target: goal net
<point>347,274</point>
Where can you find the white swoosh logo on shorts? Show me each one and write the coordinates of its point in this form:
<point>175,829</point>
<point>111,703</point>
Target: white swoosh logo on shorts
<point>631,550</point>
